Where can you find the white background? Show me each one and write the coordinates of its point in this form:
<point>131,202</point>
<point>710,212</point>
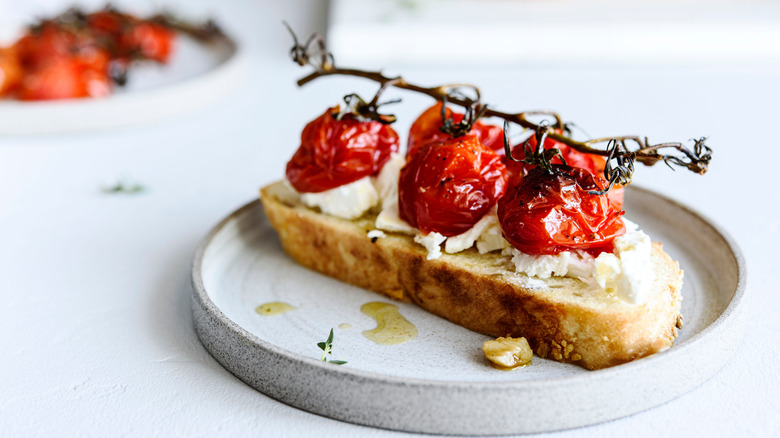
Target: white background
<point>97,333</point>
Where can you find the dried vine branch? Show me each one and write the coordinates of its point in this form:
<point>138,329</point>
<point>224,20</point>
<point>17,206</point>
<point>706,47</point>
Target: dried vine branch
<point>696,160</point>
<point>205,32</point>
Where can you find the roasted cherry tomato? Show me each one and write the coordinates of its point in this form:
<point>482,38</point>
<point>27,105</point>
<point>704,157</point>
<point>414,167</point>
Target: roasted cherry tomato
<point>147,40</point>
<point>132,38</point>
<point>64,78</point>
<point>427,129</point>
<point>37,48</point>
<point>62,63</point>
<point>448,187</point>
<point>337,152</point>
<point>553,212</point>
<point>109,23</point>
<point>574,158</point>
<point>10,70</point>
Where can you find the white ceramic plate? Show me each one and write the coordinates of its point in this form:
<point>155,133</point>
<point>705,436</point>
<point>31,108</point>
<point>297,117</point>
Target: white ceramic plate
<point>196,75</point>
<point>440,382</point>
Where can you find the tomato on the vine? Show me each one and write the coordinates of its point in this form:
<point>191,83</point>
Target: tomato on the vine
<point>427,129</point>
<point>552,212</point>
<point>447,187</point>
<point>574,158</point>
<point>335,152</point>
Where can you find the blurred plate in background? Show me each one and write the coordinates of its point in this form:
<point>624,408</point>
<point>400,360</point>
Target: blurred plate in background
<point>196,75</point>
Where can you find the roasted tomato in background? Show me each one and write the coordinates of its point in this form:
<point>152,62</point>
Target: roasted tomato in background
<point>427,129</point>
<point>337,152</point>
<point>131,37</point>
<point>553,212</point>
<point>39,47</point>
<point>64,78</point>
<point>108,23</point>
<point>147,41</point>
<point>574,158</point>
<point>62,64</point>
<point>10,70</point>
<point>74,56</point>
<point>448,187</point>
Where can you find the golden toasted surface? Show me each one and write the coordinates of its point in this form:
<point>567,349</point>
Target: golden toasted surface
<point>561,318</point>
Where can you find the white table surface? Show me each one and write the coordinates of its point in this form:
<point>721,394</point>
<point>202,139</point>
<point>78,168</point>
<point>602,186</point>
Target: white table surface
<point>97,336</point>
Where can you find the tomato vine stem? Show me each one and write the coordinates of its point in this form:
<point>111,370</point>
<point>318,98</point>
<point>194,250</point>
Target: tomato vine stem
<point>696,160</point>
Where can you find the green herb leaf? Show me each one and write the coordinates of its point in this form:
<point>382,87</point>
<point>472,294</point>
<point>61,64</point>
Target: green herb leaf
<point>330,337</point>
<point>327,348</point>
<point>125,184</point>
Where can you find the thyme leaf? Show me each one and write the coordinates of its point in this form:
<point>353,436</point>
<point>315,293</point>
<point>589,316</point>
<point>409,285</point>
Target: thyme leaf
<point>327,348</point>
<point>125,185</point>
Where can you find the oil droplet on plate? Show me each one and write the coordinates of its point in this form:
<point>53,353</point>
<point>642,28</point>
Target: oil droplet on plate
<point>345,326</point>
<point>275,308</point>
<point>391,327</point>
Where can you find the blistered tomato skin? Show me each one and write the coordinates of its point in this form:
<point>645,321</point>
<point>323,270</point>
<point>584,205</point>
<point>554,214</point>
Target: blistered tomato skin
<point>448,187</point>
<point>574,158</point>
<point>427,129</point>
<point>550,213</point>
<point>337,152</point>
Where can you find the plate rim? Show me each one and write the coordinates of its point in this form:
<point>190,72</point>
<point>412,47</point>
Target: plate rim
<point>735,305</point>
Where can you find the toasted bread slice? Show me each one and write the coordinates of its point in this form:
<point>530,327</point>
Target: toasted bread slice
<point>561,317</point>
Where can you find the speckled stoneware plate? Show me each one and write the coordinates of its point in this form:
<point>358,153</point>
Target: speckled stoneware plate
<point>196,75</point>
<point>440,382</point>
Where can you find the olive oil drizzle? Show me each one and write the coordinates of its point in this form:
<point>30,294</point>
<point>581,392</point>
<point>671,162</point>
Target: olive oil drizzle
<point>274,308</point>
<point>391,327</point>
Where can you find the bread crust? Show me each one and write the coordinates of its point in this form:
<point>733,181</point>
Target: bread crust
<point>562,320</point>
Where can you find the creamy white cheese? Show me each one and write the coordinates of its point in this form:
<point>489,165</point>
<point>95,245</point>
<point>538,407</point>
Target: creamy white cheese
<point>389,220</point>
<point>576,264</point>
<point>542,266</point>
<point>387,186</point>
<point>432,242</point>
<point>627,272</point>
<point>387,181</point>
<point>466,240</point>
<point>375,234</point>
<point>492,238</point>
<point>349,201</point>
